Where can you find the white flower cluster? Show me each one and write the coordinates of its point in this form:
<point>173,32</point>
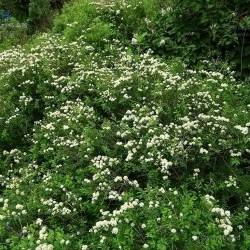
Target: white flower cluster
<point>25,100</point>
<point>224,221</point>
<point>45,246</point>
<point>223,218</point>
<point>56,207</point>
<point>231,182</point>
<point>112,222</point>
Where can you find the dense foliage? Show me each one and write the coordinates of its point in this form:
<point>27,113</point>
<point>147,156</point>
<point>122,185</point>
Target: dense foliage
<point>12,33</point>
<point>190,29</point>
<point>37,13</point>
<point>106,144</point>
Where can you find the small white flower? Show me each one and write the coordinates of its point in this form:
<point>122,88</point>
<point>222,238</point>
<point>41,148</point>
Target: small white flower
<point>39,221</point>
<point>115,230</point>
<point>62,241</point>
<point>65,127</point>
<point>203,151</point>
<point>141,204</point>
<point>173,230</point>
<point>194,237</point>
<point>145,246</point>
<point>162,42</point>
<point>19,207</point>
<point>134,41</point>
<point>84,247</point>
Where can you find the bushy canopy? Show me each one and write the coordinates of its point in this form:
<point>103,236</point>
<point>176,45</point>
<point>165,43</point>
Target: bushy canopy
<point>105,145</point>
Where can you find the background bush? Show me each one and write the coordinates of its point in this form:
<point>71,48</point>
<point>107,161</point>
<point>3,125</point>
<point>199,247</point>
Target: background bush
<point>38,14</point>
<point>193,30</point>
<point>12,33</point>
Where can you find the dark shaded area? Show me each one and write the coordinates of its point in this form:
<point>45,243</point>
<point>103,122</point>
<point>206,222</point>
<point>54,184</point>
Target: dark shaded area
<point>38,13</point>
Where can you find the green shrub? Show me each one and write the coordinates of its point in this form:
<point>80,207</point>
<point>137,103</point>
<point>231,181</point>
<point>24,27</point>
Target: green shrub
<point>106,145</point>
<point>193,30</point>
<point>211,29</point>
<point>112,149</point>
<point>74,19</point>
<point>39,14</point>
<point>18,8</point>
<point>12,33</point>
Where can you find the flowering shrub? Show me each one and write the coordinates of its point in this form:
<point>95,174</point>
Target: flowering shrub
<point>105,148</point>
<point>190,29</point>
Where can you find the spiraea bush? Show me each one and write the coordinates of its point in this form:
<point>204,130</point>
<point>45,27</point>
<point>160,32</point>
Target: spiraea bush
<point>104,145</point>
<point>192,30</point>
